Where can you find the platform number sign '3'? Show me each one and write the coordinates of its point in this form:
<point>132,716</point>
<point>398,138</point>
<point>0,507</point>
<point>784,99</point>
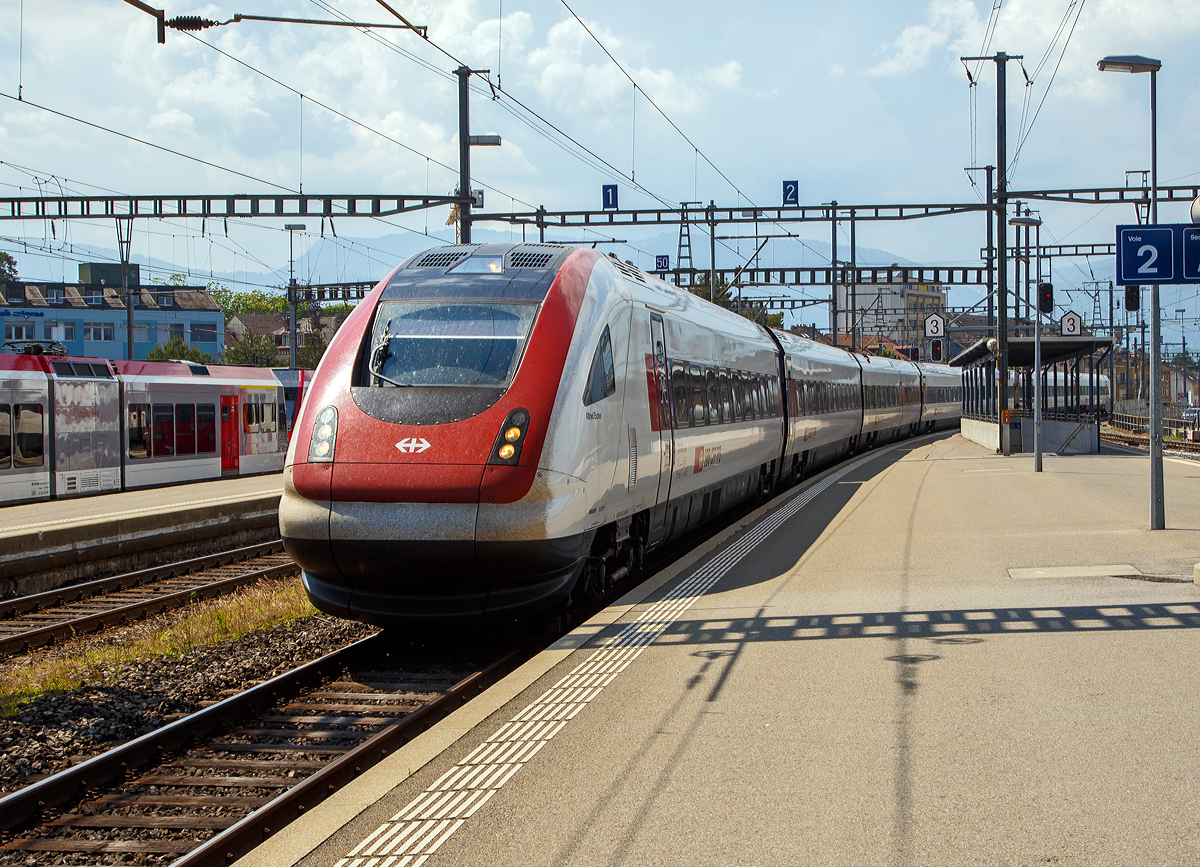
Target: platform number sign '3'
<point>935,325</point>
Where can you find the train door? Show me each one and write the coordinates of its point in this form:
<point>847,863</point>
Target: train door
<point>663,431</point>
<point>230,435</point>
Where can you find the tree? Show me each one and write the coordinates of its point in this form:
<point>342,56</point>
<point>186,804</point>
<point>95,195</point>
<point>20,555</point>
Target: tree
<point>254,301</point>
<point>176,349</point>
<point>309,355</point>
<point>8,268</point>
<point>754,311</point>
<point>257,350</point>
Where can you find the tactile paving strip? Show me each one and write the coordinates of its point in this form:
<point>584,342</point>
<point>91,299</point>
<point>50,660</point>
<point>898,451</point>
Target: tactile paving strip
<point>416,832</point>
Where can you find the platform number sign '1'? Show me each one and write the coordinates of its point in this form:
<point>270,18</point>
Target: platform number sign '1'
<point>609,196</point>
<point>791,193</point>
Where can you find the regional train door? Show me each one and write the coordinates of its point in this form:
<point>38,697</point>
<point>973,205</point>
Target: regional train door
<point>664,431</point>
<point>230,435</point>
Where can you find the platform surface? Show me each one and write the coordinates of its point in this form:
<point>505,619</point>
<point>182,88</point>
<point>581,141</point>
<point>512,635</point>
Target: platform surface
<point>103,508</point>
<point>851,677</point>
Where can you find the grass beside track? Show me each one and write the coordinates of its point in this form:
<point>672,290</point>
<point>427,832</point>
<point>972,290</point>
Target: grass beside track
<point>205,623</point>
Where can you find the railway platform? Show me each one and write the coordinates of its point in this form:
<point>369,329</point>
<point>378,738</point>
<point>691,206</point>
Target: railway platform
<point>45,545</point>
<point>926,656</point>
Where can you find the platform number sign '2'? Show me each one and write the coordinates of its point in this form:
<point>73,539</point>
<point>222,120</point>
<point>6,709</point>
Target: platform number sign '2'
<point>1163,254</point>
<point>791,193</point>
<point>608,195</point>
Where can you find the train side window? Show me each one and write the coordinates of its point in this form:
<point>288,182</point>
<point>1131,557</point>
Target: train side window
<point>206,428</point>
<point>755,397</point>
<point>5,436</point>
<point>268,424</point>
<point>696,381</point>
<point>30,440</point>
<point>250,418</point>
<point>162,429</point>
<point>139,415</point>
<point>739,395</point>
<point>185,429</point>
<point>679,391</point>
<point>712,393</point>
<point>603,380</point>
<point>726,398</point>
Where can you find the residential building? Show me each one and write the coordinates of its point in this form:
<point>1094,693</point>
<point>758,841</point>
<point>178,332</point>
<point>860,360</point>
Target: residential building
<point>896,311</point>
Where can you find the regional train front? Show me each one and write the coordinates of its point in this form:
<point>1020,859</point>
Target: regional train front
<point>423,426</point>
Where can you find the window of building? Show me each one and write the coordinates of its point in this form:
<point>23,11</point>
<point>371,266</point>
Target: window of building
<point>166,299</point>
<point>204,332</point>
<point>54,296</point>
<point>19,331</point>
<point>97,331</point>
<point>145,334</point>
<point>176,330</point>
<point>59,331</point>
<point>95,297</point>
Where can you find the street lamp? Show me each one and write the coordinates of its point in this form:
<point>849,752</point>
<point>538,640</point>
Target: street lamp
<point>1135,63</point>
<point>292,229</point>
<point>1179,311</point>
<point>1028,221</point>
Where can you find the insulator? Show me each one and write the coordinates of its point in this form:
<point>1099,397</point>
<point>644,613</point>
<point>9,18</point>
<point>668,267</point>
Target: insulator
<point>191,22</point>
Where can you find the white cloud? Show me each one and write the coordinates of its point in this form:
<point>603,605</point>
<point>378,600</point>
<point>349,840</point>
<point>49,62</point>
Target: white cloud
<point>947,22</point>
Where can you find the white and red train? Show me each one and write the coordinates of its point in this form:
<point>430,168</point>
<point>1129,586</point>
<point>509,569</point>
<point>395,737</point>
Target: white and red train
<point>76,426</point>
<point>498,427</point>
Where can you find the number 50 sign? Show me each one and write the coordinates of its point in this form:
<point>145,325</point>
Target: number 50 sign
<point>1158,254</point>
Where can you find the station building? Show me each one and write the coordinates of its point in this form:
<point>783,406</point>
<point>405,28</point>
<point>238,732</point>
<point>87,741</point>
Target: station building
<point>89,316</point>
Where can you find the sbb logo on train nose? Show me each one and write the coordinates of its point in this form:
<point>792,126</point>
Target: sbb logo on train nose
<point>410,445</point>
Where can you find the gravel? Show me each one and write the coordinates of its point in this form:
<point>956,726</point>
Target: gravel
<point>55,732</point>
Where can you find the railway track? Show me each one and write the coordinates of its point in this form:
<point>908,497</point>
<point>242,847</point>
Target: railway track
<point>32,621</point>
<point>207,788</point>
<point>1183,448</point>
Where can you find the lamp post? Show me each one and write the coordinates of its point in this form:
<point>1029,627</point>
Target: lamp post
<point>1179,311</point>
<point>1134,63</point>
<point>292,229</point>
<point>1028,221</point>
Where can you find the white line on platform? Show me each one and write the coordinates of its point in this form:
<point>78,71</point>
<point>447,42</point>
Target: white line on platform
<point>415,833</point>
<point>155,507</point>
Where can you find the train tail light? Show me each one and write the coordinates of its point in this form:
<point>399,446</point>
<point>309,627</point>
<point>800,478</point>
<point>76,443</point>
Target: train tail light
<point>507,450</point>
<point>324,435</point>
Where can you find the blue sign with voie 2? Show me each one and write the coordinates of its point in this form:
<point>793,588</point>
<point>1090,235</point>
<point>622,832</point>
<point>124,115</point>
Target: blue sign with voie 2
<point>1167,254</point>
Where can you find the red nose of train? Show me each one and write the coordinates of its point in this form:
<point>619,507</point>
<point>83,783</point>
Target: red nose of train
<point>435,396</point>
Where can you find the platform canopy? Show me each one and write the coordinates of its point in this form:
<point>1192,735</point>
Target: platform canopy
<point>1020,350</point>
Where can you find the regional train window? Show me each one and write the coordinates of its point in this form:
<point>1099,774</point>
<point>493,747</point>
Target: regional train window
<point>30,435</point>
<point>162,429</point>
<point>139,416</point>
<point>267,419</point>
<point>206,428</point>
<point>603,380</point>
<point>679,391</point>
<point>443,343</point>
<point>5,436</point>
<point>185,429</point>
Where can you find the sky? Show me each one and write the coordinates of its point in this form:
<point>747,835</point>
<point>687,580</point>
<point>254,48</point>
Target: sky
<point>863,101</point>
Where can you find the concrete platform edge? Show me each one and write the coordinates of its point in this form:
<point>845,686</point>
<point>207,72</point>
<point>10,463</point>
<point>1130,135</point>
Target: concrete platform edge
<point>300,838</point>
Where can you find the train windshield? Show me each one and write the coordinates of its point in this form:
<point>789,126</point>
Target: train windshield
<point>448,343</point>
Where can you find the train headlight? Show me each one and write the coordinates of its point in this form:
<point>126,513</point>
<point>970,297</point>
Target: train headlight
<point>507,449</point>
<point>324,435</point>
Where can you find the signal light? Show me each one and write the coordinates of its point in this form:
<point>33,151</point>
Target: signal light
<point>1046,297</point>
<point>935,349</point>
<point>1133,297</point>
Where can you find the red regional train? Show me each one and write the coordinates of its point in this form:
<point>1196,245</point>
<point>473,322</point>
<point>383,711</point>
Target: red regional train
<point>497,428</point>
<point>75,426</point>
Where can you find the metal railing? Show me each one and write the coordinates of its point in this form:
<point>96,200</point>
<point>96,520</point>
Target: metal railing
<point>1141,424</point>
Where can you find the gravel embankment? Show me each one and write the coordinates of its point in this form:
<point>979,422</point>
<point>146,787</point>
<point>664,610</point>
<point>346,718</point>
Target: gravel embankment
<point>55,732</point>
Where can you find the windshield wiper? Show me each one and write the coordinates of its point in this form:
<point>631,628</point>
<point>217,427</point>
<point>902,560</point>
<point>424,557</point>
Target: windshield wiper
<point>379,355</point>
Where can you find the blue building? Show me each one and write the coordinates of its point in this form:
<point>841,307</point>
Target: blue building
<point>89,318</point>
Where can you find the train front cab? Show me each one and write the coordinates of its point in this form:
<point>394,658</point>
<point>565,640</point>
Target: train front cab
<point>416,418</point>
